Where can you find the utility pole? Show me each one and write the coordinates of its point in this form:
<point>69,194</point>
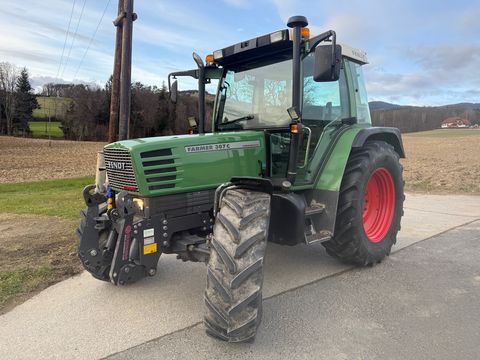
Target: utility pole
<point>115,96</point>
<point>126,69</point>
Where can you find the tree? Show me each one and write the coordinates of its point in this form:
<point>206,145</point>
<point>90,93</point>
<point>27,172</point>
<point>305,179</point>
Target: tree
<point>25,102</point>
<point>8,78</point>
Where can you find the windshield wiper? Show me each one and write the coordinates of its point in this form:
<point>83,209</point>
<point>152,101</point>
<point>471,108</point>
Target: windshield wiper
<point>246,117</point>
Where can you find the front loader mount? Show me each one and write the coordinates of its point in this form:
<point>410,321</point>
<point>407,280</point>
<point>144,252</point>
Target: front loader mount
<point>109,241</point>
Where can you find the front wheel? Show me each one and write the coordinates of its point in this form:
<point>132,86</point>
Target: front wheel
<point>233,297</point>
<point>370,205</point>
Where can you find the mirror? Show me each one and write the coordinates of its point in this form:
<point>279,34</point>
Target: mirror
<point>198,60</point>
<point>328,60</point>
<point>173,92</point>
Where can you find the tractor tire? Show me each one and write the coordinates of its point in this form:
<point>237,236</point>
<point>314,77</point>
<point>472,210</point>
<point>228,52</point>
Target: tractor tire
<point>233,296</point>
<point>370,205</point>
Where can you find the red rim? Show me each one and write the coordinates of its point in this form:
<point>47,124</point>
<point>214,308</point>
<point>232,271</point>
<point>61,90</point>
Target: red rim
<point>379,205</point>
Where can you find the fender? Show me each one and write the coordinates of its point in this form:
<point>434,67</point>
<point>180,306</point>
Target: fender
<point>327,185</point>
<point>390,135</point>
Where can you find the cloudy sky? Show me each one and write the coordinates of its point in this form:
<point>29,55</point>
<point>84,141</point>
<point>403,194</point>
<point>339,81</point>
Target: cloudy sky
<point>421,52</point>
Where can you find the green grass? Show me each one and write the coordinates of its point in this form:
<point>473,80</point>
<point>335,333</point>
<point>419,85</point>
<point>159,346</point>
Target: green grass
<point>51,106</point>
<point>445,133</point>
<point>54,197</point>
<point>14,283</point>
<point>45,129</point>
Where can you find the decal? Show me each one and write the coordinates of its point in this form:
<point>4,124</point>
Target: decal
<point>115,165</point>
<point>150,249</point>
<point>222,146</point>
<point>149,240</point>
<point>126,242</point>
<point>148,232</point>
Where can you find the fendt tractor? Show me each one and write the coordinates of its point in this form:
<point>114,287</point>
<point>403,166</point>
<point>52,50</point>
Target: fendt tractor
<point>291,158</point>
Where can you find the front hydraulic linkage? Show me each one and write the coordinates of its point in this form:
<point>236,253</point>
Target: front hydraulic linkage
<point>111,244</point>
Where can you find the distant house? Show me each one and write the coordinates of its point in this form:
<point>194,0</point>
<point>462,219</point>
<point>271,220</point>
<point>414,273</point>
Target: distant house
<point>455,122</point>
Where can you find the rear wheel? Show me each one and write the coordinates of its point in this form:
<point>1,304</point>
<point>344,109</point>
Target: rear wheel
<point>370,205</point>
<point>233,297</point>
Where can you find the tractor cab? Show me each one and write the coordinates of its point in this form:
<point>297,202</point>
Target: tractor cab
<point>256,92</point>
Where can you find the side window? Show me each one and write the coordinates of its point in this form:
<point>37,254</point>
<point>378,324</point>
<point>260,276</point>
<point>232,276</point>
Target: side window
<point>323,101</point>
<point>361,98</point>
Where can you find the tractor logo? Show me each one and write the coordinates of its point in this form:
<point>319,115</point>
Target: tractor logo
<point>115,165</point>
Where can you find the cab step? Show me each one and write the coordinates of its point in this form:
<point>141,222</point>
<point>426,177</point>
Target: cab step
<point>319,237</point>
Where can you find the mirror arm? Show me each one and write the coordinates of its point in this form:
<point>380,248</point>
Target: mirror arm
<point>201,92</point>
<point>192,73</point>
<point>322,37</point>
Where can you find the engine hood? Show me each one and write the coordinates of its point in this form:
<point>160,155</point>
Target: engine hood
<point>183,163</point>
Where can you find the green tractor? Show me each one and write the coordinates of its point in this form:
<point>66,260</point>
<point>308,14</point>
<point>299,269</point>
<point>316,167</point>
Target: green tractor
<point>291,158</point>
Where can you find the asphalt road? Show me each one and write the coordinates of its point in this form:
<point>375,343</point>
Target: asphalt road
<point>423,303</point>
<point>308,296</point>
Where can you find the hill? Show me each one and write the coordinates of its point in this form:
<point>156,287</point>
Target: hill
<point>420,118</point>
<point>52,106</point>
<point>382,105</point>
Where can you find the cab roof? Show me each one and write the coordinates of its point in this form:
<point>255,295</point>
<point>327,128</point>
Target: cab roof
<point>276,45</point>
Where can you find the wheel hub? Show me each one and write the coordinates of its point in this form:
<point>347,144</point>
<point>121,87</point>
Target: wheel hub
<point>378,205</point>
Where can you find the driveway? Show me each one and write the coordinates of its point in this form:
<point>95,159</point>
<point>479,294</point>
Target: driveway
<point>311,299</point>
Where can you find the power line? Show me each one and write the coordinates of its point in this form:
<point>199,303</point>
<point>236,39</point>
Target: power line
<point>74,37</point>
<point>66,37</point>
<point>91,39</point>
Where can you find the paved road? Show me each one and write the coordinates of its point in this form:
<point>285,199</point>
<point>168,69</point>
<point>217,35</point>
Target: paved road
<point>421,304</point>
<point>84,319</point>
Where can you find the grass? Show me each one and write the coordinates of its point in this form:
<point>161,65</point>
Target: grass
<point>45,129</point>
<point>19,282</point>
<point>445,133</point>
<point>53,197</point>
<point>51,106</point>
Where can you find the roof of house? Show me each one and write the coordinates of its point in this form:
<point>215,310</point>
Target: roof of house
<point>456,120</point>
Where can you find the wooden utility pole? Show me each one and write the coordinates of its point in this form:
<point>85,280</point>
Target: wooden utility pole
<point>126,69</point>
<point>115,96</point>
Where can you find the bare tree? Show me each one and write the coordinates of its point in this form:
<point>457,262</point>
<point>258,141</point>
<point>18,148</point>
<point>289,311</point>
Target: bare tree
<point>8,78</point>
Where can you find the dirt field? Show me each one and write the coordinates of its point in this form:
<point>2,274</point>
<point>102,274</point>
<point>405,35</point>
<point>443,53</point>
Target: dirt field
<point>36,159</point>
<point>442,161</point>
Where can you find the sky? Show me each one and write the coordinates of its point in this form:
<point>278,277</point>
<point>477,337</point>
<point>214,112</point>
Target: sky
<point>421,52</point>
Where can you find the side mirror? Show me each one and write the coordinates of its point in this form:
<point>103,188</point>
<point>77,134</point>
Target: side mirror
<point>173,92</point>
<point>198,60</point>
<point>328,60</point>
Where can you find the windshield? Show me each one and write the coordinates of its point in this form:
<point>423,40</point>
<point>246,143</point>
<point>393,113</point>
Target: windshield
<point>255,98</point>
<point>259,98</point>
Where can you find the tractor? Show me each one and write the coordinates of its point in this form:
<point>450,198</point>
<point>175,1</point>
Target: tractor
<point>291,158</point>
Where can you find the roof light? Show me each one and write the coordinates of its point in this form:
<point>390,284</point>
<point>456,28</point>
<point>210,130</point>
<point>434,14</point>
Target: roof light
<point>305,32</point>
<point>209,59</point>
<point>218,54</point>
<point>276,36</point>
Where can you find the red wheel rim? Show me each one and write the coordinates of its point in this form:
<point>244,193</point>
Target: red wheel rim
<point>379,205</point>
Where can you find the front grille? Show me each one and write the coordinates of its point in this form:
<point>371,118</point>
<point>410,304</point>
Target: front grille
<point>118,164</point>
